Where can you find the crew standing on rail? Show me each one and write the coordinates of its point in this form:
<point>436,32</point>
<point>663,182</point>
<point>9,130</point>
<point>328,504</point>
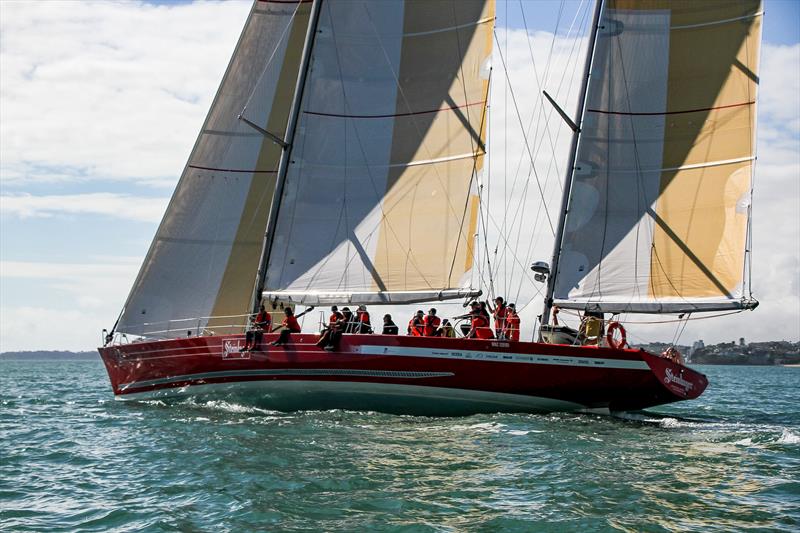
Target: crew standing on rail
<point>500,311</point>
<point>431,323</point>
<point>511,331</point>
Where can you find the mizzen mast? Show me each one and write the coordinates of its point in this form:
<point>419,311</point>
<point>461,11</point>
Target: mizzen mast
<point>573,152</point>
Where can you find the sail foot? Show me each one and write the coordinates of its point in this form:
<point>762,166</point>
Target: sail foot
<point>659,306</point>
<point>372,298</point>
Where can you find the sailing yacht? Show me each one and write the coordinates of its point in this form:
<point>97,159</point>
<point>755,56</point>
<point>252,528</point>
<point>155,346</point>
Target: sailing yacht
<point>341,163</point>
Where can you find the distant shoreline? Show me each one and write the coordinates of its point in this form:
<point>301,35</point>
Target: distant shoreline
<point>49,355</point>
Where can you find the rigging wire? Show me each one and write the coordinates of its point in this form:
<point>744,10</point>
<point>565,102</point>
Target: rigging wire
<point>525,137</point>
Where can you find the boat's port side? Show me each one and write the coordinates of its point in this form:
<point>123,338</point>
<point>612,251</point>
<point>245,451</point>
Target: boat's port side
<point>459,375</point>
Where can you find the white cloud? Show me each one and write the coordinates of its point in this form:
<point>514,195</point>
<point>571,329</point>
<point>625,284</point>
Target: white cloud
<point>82,299</point>
<point>122,206</point>
<point>102,90</point>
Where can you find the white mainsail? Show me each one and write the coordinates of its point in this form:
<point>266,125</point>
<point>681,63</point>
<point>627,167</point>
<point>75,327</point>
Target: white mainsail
<point>380,201</point>
<point>658,215</point>
<point>205,256</point>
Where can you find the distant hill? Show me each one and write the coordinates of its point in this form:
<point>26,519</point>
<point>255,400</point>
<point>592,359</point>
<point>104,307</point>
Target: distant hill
<point>754,353</point>
<point>58,355</point>
<point>731,353</point>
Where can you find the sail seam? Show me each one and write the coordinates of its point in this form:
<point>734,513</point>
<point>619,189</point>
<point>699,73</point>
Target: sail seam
<point>685,167</point>
<point>403,165</point>
<point>393,115</point>
<point>242,170</point>
<point>717,22</point>
<point>449,28</point>
<point>284,1</point>
<point>660,113</point>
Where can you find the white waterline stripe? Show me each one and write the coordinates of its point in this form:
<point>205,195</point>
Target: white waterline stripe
<point>591,362</point>
<point>397,374</point>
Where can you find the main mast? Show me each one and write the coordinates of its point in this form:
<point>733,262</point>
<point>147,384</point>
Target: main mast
<point>283,164</point>
<point>573,153</point>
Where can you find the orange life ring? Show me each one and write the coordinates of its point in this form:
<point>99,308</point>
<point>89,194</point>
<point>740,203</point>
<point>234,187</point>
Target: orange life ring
<point>612,328</point>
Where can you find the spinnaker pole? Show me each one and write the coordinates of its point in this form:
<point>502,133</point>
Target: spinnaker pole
<point>573,154</point>
<point>286,153</point>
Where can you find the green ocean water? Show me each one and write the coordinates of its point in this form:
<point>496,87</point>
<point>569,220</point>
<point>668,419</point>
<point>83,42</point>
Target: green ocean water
<point>73,459</point>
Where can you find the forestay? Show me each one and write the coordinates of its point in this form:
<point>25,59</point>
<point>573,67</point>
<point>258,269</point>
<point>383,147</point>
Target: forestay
<point>204,259</point>
<point>380,200</point>
<point>660,203</point>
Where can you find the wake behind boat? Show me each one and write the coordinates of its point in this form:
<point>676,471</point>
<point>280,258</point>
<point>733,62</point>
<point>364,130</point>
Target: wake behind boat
<point>343,162</point>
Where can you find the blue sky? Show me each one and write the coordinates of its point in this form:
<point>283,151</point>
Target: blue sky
<point>100,105</point>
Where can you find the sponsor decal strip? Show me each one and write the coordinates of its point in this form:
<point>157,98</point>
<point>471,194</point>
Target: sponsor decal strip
<point>397,374</point>
<point>563,360</point>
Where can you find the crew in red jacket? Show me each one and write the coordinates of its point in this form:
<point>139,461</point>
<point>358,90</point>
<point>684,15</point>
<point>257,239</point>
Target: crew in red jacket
<point>480,324</point>
<point>335,316</point>
<point>416,326</point>
<point>261,323</point>
<point>364,325</point>
<point>431,324</point>
<point>290,325</point>
<point>511,331</point>
<point>500,312</point>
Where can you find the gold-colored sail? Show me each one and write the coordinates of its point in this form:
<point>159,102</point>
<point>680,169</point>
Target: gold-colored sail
<point>659,212</point>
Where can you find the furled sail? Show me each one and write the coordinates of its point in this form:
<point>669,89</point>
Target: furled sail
<point>658,217</point>
<point>380,201</point>
<point>205,256</point>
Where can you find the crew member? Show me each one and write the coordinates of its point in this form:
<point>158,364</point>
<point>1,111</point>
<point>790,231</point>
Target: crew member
<point>335,316</point>
<point>511,331</point>
<point>500,311</point>
<point>480,324</point>
<point>389,327</point>
<point>446,329</point>
<point>261,323</point>
<point>289,325</point>
<point>363,325</point>
<point>416,326</point>
<point>592,329</point>
<point>431,324</point>
<point>350,323</point>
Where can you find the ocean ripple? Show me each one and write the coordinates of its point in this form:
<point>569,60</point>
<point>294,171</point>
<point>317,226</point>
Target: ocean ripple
<point>75,460</point>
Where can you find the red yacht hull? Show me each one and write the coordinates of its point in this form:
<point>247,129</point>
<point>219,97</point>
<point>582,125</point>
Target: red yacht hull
<point>398,374</point>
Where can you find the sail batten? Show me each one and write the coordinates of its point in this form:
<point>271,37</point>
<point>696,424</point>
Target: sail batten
<point>657,218</point>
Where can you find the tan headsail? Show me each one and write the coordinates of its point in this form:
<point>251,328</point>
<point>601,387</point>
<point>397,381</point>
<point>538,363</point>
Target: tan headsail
<point>380,201</point>
<point>659,209</point>
<point>204,258</point>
